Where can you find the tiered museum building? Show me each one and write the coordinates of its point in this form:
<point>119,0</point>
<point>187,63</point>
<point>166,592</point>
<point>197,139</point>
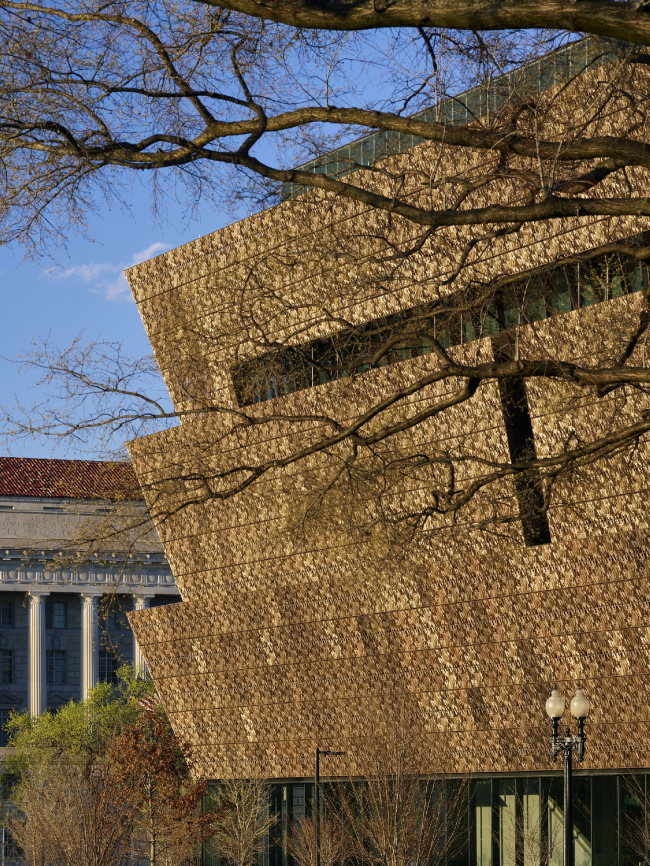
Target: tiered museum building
<point>285,640</point>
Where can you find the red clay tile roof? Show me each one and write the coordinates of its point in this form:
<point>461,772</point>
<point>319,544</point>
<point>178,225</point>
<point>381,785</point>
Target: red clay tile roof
<point>73,479</point>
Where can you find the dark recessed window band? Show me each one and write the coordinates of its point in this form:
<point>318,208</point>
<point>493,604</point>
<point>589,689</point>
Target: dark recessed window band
<point>351,352</point>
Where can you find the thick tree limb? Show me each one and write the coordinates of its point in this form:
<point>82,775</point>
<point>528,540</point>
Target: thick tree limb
<point>628,21</point>
<point>144,153</point>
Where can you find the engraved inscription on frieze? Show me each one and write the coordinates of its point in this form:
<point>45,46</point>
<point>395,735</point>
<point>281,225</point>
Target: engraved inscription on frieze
<point>38,527</point>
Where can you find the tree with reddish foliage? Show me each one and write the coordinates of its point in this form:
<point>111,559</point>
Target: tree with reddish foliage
<point>103,782</point>
<point>170,824</point>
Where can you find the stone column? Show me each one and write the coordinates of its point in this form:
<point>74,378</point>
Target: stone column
<point>37,658</point>
<point>140,603</point>
<point>89,644</point>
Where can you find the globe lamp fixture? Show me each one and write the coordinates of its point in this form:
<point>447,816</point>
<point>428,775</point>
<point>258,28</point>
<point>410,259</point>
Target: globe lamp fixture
<point>567,745</point>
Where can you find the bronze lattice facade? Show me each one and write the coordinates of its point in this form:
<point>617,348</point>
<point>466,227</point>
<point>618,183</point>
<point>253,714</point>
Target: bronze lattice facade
<point>280,644</point>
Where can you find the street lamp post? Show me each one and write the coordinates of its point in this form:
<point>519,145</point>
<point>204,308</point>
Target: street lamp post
<point>317,757</point>
<point>568,745</point>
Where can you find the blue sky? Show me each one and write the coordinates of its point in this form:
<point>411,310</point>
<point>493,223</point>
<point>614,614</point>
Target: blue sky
<point>86,289</point>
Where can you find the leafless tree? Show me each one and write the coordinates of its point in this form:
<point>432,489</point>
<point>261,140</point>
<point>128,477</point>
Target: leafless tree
<point>92,90</point>
<point>635,826</point>
<point>333,842</point>
<point>400,808</point>
<point>245,820</point>
<point>68,814</point>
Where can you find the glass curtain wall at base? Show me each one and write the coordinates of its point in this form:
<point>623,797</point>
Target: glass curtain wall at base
<point>509,821</point>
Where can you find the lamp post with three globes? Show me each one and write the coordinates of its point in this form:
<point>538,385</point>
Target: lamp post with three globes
<point>568,744</point>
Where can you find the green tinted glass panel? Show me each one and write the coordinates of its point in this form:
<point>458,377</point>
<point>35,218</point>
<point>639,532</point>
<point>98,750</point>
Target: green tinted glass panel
<point>582,821</point>
<point>553,824</point>
<point>588,296</point>
<point>490,326</point>
<point>536,310</point>
<point>531,832</point>
<point>209,855</point>
<point>481,822</point>
<point>505,816</point>
<point>511,317</point>
<point>631,820</point>
<point>457,801</point>
<point>7,614</point>
<point>561,303</point>
<point>636,280</point>
<point>604,833</point>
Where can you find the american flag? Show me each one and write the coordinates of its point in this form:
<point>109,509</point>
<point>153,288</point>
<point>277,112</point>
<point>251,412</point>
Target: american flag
<point>150,702</point>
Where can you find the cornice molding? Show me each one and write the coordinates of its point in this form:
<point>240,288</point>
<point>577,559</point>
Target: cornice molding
<point>35,579</point>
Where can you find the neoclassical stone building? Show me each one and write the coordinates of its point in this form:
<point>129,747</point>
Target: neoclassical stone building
<point>63,627</point>
<point>285,640</point>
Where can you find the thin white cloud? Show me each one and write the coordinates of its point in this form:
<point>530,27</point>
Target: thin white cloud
<point>88,273</point>
<point>148,253</point>
<point>107,278</point>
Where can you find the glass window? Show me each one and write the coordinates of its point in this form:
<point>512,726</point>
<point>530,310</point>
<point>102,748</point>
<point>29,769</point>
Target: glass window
<point>536,310</point>
<point>632,820</point>
<point>505,808</point>
<point>511,317</point>
<point>6,614</point>
<point>4,718</point>
<point>298,801</point>
<point>530,820</point>
<point>481,817</point>
<point>561,302</point>
<point>12,850</point>
<point>582,821</point>
<point>554,797</point>
<point>604,820</point>
<point>110,613</point>
<point>6,666</point>
<point>588,295</point>
<point>518,822</point>
<point>56,667</point>
<point>636,279</point>
<point>210,854</point>
<point>618,289</point>
<point>456,806</point>
<point>514,822</point>
<point>108,665</point>
<point>56,614</point>
<point>490,326</point>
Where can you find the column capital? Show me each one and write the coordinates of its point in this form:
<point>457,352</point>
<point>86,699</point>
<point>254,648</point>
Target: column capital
<point>36,596</point>
<point>90,597</point>
<point>142,600</point>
